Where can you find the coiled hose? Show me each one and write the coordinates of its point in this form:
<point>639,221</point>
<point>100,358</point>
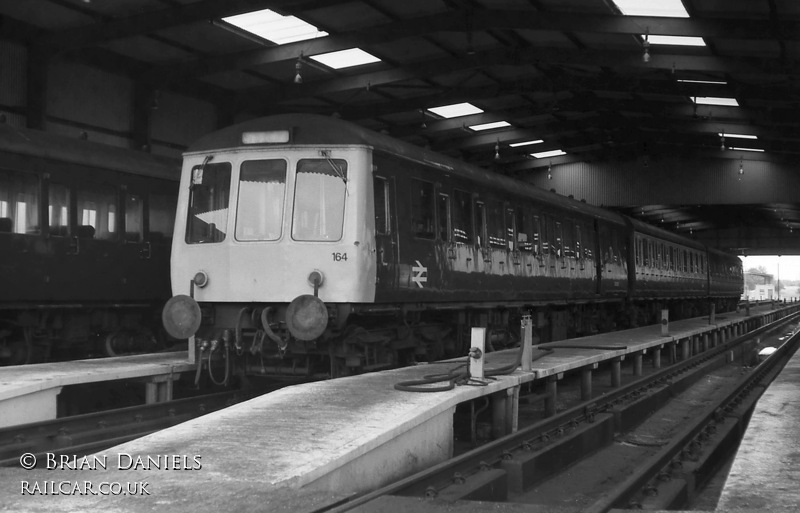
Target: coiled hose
<point>227,358</point>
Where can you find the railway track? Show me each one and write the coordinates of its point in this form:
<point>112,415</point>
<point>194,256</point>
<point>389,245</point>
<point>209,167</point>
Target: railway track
<point>650,444</point>
<point>84,434</point>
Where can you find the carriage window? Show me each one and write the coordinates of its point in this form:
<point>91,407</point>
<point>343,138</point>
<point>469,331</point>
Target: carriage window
<point>422,209</point>
<point>58,210</point>
<point>547,228</point>
<point>19,203</point>
<point>262,188</point>
<point>97,209</point>
<point>162,216</point>
<point>462,217</point>
<point>558,240</point>
<point>511,221</point>
<point>480,217</point>
<point>320,190</point>
<point>494,225</point>
<point>537,236</point>
<point>567,242</point>
<point>134,218</point>
<point>588,244</point>
<point>207,218</point>
<point>524,238</point>
<point>443,207</point>
<point>382,212</point>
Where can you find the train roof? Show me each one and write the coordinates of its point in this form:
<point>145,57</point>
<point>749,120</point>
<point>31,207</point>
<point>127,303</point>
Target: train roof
<point>35,143</point>
<point>315,130</point>
<point>660,233</point>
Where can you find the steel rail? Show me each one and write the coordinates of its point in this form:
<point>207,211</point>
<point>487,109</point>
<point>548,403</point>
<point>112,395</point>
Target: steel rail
<point>83,434</point>
<point>648,469</point>
<point>495,451</point>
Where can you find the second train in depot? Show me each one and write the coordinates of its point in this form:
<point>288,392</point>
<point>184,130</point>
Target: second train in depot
<point>309,246</point>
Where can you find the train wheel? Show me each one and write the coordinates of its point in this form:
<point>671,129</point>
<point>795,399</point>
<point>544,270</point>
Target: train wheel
<point>122,342</point>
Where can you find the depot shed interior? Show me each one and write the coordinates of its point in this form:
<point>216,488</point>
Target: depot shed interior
<point>687,117</point>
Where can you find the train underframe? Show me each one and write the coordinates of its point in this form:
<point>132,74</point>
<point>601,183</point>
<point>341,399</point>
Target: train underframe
<point>45,333</point>
<point>235,341</point>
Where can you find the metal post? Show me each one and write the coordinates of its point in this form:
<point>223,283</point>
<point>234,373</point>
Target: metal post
<point>637,364</point>
<point>477,352</point>
<point>515,409</point>
<point>686,350</point>
<point>586,383</point>
<point>527,341</point>
<point>712,316</point>
<point>551,388</point>
<point>616,372</point>
<point>664,322</point>
<point>499,414</point>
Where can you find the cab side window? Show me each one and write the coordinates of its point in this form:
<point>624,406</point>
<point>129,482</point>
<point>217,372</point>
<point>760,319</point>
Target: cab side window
<point>422,208</point>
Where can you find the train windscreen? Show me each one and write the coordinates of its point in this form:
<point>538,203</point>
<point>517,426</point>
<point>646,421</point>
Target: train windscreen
<point>320,190</point>
<point>207,218</point>
<point>262,189</point>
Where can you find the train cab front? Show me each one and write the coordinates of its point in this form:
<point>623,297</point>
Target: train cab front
<point>271,249</point>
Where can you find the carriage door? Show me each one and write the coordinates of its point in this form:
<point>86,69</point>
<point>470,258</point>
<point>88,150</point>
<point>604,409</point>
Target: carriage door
<point>385,234</point>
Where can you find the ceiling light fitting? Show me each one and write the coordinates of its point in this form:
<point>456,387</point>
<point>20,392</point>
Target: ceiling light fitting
<point>722,141</point>
<point>497,150</point>
<point>646,44</point>
<point>298,67</point>
<point>549,170</point>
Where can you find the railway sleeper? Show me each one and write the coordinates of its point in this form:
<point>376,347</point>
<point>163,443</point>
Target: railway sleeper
<point>678,484</point>
<point>526,469</point>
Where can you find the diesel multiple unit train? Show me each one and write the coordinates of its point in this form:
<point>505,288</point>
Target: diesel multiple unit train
<point>85,236</point>
<point>306,245</point>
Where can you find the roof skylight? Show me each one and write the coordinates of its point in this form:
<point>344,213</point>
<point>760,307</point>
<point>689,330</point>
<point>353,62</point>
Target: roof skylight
<point>489,126</point>
<point>545,154</point>
<point>345,58</point>
<point>526,143</point>
<point>715,100</point>
<point>275,27</point>
<point>668,8</point>
<point>455,110</point>
<point>676,40</point>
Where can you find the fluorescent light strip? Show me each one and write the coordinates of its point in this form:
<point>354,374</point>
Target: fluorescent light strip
<point>714,100</point>
<point>526,143</point>
<point>746,149</point>
<point>545,154</point>
<point>455,110</point>
<point>489,126</point>
<point>740,136</point>
<point>715,82</point>
<point>675,40</point>
<point>275,27</point>
<point>345,58</point>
